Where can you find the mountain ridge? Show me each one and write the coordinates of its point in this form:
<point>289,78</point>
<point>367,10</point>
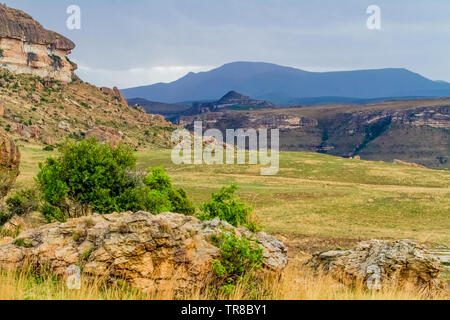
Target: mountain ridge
<point>281,84</point>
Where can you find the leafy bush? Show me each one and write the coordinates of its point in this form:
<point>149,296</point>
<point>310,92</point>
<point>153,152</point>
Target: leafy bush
<point>53,214</point>
<point>102,178</point>
<point>48,148</point>
<point>23,202</point>
<point>23,243</point>
<point>178,201</point>
<point>4,217</point>
<point>1,53</point>
<point>226,206</point>
<point>239,257</point>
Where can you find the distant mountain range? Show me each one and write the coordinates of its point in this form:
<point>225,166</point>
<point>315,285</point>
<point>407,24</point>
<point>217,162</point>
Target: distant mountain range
<point>290,86</point>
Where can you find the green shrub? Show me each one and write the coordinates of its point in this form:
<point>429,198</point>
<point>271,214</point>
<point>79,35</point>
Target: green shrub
<point>226,206</point>
<point>4,217</point>
<point>23,243</point>
<point>1,53</point>
<point>177,199</point>
<point>102,178</point>
<point>23,202</point>
<point>239,257</point>
<point>48,148</point>
<point>53,214</point>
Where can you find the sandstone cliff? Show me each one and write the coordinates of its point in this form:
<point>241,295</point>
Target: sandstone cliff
<point>26,47</point>
<point>412,130</point>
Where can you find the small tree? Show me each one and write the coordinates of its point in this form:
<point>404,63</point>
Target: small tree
<point>226,206</point>
<point>93,176</point>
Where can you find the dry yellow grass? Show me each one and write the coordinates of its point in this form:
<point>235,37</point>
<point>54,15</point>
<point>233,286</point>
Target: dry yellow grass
<point>296,283</point>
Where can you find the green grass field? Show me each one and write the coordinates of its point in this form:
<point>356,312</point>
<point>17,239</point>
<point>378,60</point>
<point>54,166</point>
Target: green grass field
<point>316,195</point>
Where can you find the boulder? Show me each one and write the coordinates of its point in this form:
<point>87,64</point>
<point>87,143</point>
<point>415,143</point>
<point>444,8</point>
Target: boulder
<point>151,252</point>
<point>64,125</point>
<point>9,164</point>
<point>115,93</point>
<point>105,134</point>
<point>381,264</point>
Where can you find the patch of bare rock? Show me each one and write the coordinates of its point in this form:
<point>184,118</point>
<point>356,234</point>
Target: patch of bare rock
<point>379,264</point>
<point>9,164</point>
<point>151,252</point>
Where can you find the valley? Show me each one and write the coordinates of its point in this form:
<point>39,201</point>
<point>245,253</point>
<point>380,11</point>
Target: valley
<point>409,130</point>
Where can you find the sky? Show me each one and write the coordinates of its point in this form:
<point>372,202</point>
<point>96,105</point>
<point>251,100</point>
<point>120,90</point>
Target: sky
<point>127,43</point>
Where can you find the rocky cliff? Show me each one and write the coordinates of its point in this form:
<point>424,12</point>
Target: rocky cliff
<point>26,47</point>
<point>412,130</point>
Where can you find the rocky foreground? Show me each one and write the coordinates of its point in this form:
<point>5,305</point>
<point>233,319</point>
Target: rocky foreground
<point>381,264</point>
<point>163,252</point>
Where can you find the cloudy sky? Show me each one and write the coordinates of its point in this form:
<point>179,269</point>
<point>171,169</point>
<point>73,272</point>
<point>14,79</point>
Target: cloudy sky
<point>138,42</point>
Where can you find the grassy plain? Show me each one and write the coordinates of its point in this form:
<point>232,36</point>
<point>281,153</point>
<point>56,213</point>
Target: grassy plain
<point>316,195</point>
<point>316,202</point>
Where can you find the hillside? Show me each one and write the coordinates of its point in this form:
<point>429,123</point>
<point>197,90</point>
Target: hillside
<point>169,111</point>
<point>47,111</point>
<point>412,130</point>
<point>284,85</point>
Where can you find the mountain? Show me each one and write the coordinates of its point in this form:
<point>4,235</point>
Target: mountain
<point>416,131</point>
<point>232,101</point>
<point>172,112</point>
<point>282,85</point>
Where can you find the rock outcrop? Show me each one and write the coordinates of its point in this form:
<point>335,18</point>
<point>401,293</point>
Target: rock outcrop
<point>26,47</point>
<point>381,264</point>
<point>116,94</point>
<point>9,164</point>
<point>151,252</point>
<point>105,135</point>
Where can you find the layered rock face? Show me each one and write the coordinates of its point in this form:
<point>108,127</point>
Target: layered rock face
<point>26,47</point>
<point>163,252</point>
<point>379,264</point>
<point>9,164</point>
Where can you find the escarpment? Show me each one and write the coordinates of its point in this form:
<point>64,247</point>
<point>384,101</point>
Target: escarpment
<point>26,47</point>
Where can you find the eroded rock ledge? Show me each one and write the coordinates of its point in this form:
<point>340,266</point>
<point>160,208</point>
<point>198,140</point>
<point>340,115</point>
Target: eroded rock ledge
<point>27,47</point>
<point>151,252</point>
<point>9,163</point>
<point>379,264</point>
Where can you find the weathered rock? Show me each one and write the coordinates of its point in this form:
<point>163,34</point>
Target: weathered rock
<point>29,48</point>
<point>105,134</point>
<point>163,252</point>
<point>64,125</point>
<point>15,225</point>
<point>27,132</point>
<point>9,164</point>
<point>379,264</point>
<point>115,93</point>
